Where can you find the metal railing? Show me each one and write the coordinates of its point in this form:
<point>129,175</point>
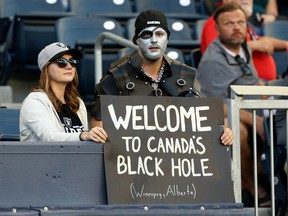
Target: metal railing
<point>98,50</point>
<point>237,103</point>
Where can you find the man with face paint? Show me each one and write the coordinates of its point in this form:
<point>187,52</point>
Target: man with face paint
<point>149,71</point>
<point>227,61</point>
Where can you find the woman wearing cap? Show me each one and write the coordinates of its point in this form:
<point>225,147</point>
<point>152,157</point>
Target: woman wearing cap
<point>54,110</point>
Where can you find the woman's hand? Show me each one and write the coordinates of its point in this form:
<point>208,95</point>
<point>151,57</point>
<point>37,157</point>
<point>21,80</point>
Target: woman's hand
<point>96,134</point>
<point>227,137</point>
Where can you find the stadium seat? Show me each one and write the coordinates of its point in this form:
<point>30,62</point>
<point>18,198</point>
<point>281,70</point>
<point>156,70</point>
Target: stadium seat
<point>11,7</point>
<point>172,7</point>
<point>71,29</point>
<point>81,32</point>
<point>179,30</point>
<point>195,57</point>
<point>106,8</point>
<point>278,29</point>
<point>186,10</point>
<point>32,29</point>
<point>198,26</point>
<point>175,54</point>
<point>119,10</point>
<point>9,124</point>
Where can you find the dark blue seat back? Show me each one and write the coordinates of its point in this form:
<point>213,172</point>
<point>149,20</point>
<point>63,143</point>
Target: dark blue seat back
<point>32,29</point>
<point>195,57</point>
<point>278,29</point>
<point>166,7</point>
<point>9,124</point>
<point>80,7</point>
<point>11,7</point>
<point>175,54</point>
<point>198,27</point>
<point>70,30</point>
<point>187,10</point>
<point>82,32</point>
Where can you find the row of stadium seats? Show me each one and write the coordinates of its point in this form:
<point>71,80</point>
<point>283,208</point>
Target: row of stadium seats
<point>191,7</point>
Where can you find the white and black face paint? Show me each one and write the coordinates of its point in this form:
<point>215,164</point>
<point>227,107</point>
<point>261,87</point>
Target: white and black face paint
<point>152,42</point>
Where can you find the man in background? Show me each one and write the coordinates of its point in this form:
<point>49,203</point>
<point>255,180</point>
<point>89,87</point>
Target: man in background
<point>262,47</point>
<point>227,61</point>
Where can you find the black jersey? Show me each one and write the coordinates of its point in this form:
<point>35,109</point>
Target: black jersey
<point>70,121</point>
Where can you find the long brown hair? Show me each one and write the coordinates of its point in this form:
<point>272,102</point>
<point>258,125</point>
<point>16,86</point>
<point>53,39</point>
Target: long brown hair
<point>71,93</point>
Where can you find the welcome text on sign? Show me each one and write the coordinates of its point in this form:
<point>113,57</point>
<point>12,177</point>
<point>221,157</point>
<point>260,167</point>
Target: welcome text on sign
<point>151,166</point>
<point>181,115</point>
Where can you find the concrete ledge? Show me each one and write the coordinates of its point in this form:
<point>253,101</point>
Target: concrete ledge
<point>228,209</point>
<point>52,174</point>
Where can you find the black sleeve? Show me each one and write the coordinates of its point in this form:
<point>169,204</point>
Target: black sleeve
<point>106,86</point>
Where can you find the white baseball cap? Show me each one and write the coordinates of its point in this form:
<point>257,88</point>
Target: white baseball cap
<point>55,51</point>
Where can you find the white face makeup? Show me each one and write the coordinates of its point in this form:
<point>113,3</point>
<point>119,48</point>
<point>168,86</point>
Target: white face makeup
<point>152,42</point>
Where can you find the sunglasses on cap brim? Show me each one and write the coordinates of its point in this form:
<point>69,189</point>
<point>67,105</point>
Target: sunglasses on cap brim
<point>62,62</point>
